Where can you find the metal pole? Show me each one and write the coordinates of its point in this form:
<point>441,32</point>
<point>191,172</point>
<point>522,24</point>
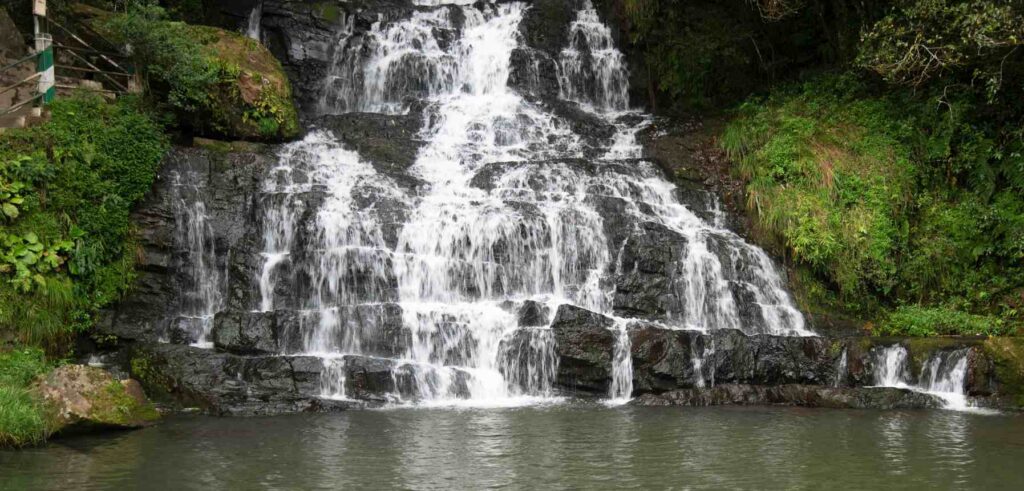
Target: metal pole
<point>44,46</point>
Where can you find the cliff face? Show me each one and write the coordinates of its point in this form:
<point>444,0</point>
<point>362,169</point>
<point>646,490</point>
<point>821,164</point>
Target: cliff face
<point>207,235</point>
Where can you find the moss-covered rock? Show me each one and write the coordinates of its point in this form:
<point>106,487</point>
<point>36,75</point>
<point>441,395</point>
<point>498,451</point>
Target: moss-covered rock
<point>1007,357</point>
<point>253,99</point>
<point>83,398</point>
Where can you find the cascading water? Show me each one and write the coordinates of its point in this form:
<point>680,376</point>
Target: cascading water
<point>943,375</point>
<point>841,369</point>
<point>253,29</point>
<point>511,207</point>
<point>891,366</point>
<point>201,297</point>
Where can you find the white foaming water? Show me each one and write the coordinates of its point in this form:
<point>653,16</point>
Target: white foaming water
<point>943,375</point>
<point>201,296</point>
<point>380,69</point>
<point>591,70</point>
<point>253,29</point>
<point>508,212</point>
<point>841,370</point>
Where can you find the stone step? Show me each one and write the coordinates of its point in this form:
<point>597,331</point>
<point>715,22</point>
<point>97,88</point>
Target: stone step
<point>24,117</point>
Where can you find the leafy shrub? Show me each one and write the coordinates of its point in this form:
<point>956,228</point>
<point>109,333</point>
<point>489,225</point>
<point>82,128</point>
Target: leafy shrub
<point>215,81</point>
<point>890,199</point>
<point>70,249</point>
<point>923,321</point>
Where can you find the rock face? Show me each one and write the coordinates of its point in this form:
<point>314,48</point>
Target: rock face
<point>85,398</point>
<point>158,308</point>
<point>585,345</point>
<point>792,395</point>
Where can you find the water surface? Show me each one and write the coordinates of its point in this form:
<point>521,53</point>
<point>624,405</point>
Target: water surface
<point>556,447</point>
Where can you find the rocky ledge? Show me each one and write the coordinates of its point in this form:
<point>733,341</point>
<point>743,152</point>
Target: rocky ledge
<point>670,367</point>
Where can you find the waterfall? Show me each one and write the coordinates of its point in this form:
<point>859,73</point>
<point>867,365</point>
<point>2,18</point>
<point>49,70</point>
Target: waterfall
<point>252,29</point>
<point>513,208</point>
<point>943,375</point>
<point>840,370</point>
<point>201,295</point>
<point>591,70</point>
<point>891,366</point>
<point>698,360</point>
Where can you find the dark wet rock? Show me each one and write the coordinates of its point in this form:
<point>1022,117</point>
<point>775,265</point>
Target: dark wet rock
<point>389,142</point>
<point>370,378</point>
<point>650,260</point>
<point>793,395</point>
<point>533,314</point>
<point>545,26</point>
<point>227,384</point>
<point>226,180</point>
<point>664,359</point>
<point>585,347</point>
<point>246,333</point>
<point>534,74</point>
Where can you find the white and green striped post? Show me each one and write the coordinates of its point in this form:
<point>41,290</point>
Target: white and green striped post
<point>44,46</point>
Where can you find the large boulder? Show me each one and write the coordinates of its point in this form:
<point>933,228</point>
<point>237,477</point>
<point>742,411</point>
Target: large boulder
<point>85,398</point>
<point>585,347</point>
<point>253,100</point>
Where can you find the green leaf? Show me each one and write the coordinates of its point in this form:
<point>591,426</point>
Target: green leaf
<point>10,210</point>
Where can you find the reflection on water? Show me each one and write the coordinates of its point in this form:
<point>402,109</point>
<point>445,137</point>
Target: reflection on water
<point>559,447</point>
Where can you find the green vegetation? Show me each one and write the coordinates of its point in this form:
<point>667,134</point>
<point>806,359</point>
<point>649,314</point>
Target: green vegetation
<point>24,419</point>
<point>881,144</point>
<point>215,81</point>
<point>890,202</point>
<point>68,250</point>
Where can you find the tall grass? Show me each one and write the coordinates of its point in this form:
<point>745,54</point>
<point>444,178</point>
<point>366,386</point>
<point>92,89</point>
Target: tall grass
<point>23,417</point>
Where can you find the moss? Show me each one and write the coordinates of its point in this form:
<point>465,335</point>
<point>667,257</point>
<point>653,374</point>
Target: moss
<point>112,404</point>
<point>253,99</point>
<point>1007,355</point>
<point>328,12</point>
<point>144,369</point>
<point>921,349</point>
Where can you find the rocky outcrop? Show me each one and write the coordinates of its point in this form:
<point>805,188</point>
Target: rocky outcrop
<point>585,347</point>
<point>792,395</point>
<point>253,99</point>
<point>226,180</point>
<point>84,399</point>
<point>728,367</point>
<point>221,383</point>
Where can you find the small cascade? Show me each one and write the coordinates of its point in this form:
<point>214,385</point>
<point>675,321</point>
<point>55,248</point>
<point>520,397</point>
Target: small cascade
<point>622,367</point>
<point>592,70</point>
<point>699,361</point>
<point>382,70</point>
<point>253,29</point>
<point>841,370</point>
<point>943,375</point>
<point>333,379</point>
<point>201,296</point>
<point>891,366</point>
